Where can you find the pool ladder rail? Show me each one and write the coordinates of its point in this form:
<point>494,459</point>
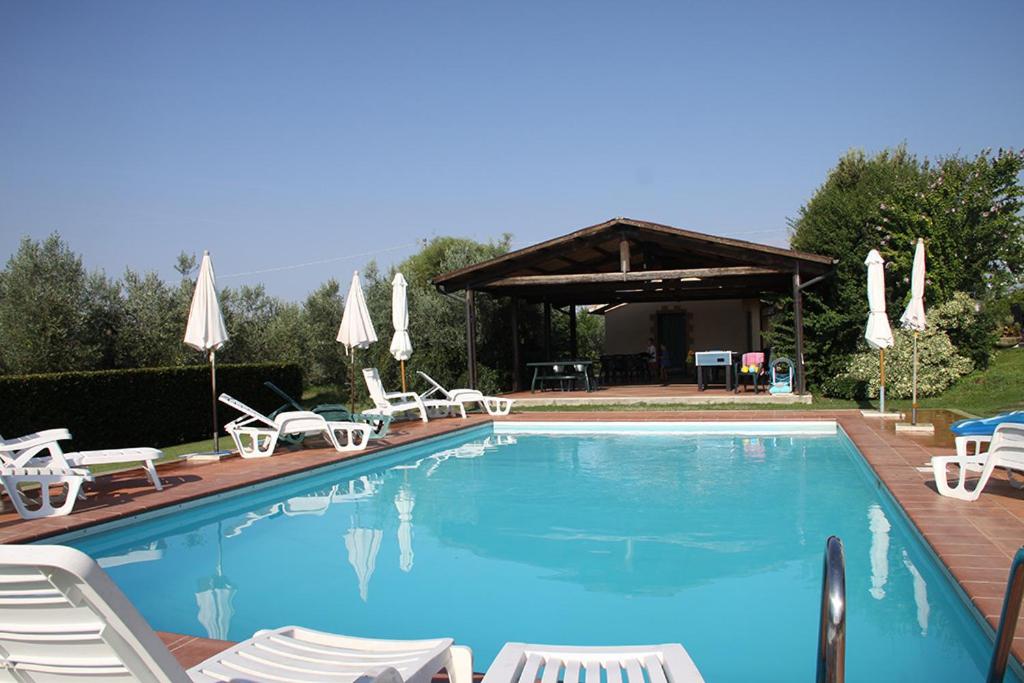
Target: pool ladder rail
<point>1007,619</point>
<point>832,625</point>
<point>832,622</point>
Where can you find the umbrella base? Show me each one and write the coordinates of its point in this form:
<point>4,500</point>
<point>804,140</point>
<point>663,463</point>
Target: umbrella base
<point>920,428</point>
<point>205,457</point>
<point>885,416</point>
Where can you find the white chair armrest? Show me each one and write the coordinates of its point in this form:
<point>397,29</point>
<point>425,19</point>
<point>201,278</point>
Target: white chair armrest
<point>411,395</point>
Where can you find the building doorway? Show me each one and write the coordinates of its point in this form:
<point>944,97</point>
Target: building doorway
<point>672,336</point>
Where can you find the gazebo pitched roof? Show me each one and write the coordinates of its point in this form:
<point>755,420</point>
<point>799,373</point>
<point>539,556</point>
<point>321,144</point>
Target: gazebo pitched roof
<point>624,259</point>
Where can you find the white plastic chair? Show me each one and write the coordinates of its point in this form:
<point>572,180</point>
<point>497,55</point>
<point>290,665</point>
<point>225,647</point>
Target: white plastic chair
<point>43,478</point>
<point>494,405</point>
<point>42,449</point>
<point>394,402</point>
<point>65,620</point>
<point>524,663</point>
<point>1005,450</point>
<point>255,441</point>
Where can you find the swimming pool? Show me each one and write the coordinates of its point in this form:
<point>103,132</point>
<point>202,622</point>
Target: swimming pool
<point>709,534</point>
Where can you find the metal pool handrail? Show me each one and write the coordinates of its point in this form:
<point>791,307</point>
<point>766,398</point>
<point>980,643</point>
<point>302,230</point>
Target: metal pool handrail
<point>832,626</point>
<point>1007,619</point>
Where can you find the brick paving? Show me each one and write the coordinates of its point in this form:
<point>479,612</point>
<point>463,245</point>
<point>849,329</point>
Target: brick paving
<point>976,541</point>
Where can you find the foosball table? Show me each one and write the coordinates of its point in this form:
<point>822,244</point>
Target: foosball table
<point>714,361</point>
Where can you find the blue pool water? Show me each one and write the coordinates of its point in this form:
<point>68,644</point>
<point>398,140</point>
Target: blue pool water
<point>711,540</point>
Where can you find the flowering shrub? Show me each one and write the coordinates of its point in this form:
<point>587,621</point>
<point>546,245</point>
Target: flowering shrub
<point>939,365</point>
<point>940,361</point>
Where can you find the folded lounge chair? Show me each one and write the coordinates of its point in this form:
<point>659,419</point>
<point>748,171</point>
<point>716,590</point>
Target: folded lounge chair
<point>65,620</point>
<point>494,405</point>
<point>522,663</point>
<point>335,412</point>
<point>255,435</point>
<point>1006,450</point>
<point>978,431</point>
<point>405,402</point>
<point>42,449</point>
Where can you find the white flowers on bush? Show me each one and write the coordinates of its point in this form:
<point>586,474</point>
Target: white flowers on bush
<point>939,362</point>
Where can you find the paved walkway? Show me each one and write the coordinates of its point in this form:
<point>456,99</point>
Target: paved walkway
<point>976,541</point>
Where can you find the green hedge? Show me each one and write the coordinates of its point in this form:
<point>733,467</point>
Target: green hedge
<point>142,407</point>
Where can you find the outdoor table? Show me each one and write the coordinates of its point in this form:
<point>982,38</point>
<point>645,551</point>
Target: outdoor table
<point>561,370</point>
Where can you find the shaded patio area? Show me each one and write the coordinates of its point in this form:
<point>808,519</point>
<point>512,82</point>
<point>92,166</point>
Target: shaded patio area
<point>652,394</point>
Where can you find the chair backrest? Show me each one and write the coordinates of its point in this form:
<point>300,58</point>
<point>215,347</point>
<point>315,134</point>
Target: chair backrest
<point>437,387</point>
<point>251,413</point>
<point>64,619</point>
<point>753,358</point>
<point>376,387</point>
<point>1008,445</point>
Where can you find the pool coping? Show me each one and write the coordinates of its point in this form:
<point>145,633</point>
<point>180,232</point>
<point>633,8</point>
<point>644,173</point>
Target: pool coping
<point>974,541</point>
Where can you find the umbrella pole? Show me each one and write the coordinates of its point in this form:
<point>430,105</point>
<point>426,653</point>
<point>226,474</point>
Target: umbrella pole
<point>881,388</point>
<point>913,403</point>
<point>403,376</point>
<point>213,393</point>
<point>352,383</point>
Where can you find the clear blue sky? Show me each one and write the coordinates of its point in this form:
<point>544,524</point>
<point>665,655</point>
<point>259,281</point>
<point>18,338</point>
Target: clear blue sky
<point>279,133</point>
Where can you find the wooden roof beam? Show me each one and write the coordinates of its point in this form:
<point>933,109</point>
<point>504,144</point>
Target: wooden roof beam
<point>632,276</point>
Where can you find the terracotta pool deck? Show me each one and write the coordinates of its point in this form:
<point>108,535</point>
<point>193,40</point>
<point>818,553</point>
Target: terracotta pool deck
<point>976,541</point>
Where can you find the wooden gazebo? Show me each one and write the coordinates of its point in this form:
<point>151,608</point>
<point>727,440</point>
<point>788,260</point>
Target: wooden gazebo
<point>626,261</point>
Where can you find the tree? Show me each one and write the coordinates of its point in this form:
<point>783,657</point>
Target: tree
<point>325,359</point>
<point>968,212</point>
<point>54,316</point>
<point>152,323</point>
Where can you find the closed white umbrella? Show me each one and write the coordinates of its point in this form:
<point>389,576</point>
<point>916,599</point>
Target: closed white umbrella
<point>405,502</point>
<point>362,546</point>
<point>356,331</point>
<point>401,345</point>
<point>215,596</point>
<point>205,330</point>
<point>878,333</point>
<point>913,317</point>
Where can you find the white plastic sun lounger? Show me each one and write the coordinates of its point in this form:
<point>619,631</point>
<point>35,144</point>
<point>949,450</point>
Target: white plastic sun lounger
<point>42,478</point>
<point>42,449</point>
<point>392,403</point>
<point>494,405</point>
<point>523,663</point>
<point>255,441</point>
<point>65,620</point>
<point>1006,450</point>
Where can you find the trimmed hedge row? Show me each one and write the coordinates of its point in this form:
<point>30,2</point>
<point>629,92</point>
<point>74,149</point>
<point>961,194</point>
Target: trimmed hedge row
<point>139,407</point>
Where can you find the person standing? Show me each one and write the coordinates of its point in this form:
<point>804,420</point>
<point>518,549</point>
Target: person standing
<point>652,359</point>
<point>663,362</point>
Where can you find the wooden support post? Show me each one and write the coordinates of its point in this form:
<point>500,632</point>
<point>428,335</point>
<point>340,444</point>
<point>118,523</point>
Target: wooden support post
<point>624,255</point>
<point>573,348</point>
<point>547,331</point>
<point>798,332</point>
<point>471,336</point>
<point>517,380</point>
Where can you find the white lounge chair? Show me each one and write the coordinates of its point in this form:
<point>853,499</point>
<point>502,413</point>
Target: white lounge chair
<point>494,405</point>
<point>1005,450</point>
<point>391,403</point>
<point>42,449</point>
<point>42,478</point>
<point>523,663</point>
<point>255,435</point>
<point>65,620</point>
